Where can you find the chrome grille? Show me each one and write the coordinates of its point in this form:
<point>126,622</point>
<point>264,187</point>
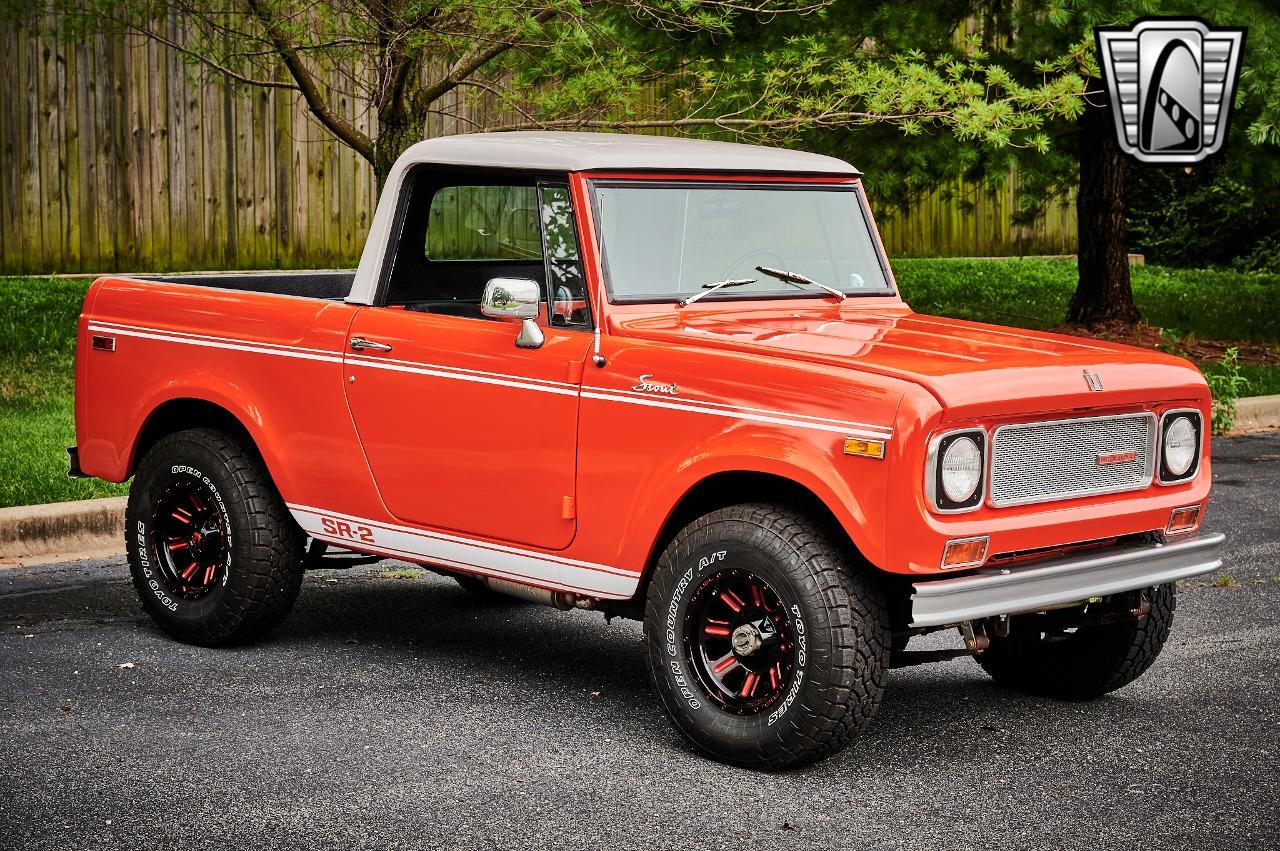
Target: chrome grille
<point>1038,462</point>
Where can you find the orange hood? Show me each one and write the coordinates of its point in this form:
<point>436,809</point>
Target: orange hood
<point>972,369</point>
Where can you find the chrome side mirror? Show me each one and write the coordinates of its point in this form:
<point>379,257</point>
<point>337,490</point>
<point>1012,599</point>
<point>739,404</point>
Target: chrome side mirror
<point>515,298</point>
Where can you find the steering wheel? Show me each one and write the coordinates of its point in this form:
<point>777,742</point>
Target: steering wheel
<point>764,253</point>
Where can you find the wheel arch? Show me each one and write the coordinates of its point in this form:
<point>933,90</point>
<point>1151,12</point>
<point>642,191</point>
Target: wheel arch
<point>179,413</point>
<point>726,487</point>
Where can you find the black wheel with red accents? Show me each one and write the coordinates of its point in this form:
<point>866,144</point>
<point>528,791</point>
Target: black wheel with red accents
<point>192,538</point>
<point>740,640</point>
<point>214,554</point>
<point>768,641</point>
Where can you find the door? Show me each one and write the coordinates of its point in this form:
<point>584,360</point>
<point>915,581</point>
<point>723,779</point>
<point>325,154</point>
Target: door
<point>464,431</point>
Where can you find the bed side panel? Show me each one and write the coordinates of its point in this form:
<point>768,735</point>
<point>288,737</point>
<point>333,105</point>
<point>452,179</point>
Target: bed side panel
<point>272,361</point>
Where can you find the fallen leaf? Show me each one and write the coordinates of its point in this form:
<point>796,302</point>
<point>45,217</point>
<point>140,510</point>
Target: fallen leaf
<point>786,825</point>
<point>595,694</point>
<point>125,665</point>
<point>66,707</point>
<point>29,635</point>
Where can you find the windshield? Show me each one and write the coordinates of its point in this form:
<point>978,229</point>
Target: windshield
<point>663,242</point>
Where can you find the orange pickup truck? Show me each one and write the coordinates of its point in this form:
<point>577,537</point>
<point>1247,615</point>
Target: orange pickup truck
<point>666,379</point>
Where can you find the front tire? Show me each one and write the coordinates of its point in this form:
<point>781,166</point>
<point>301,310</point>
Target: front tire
<point>1087,663</point>
<point>767,646</point>
<point>214,553</point>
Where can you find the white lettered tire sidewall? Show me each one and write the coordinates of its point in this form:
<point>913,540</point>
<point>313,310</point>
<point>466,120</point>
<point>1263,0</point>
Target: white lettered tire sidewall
<point>784,733</point>
<point>143,556</point>
<point>262,573</point>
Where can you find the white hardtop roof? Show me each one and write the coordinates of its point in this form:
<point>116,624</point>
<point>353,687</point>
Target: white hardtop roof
<point>548,151</point>
<point>562,152</point>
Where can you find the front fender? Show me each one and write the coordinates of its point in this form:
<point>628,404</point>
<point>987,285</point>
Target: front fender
<point>852,488</point>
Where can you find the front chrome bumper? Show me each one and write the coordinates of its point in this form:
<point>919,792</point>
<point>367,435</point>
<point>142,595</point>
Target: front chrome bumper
<point>1037,585</point>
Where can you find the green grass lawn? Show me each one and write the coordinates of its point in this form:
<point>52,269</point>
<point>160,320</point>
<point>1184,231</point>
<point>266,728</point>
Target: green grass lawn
<point>37,421</point>
<point>38,315</point>
<point>1263,380</point>
<point>1213,305</point>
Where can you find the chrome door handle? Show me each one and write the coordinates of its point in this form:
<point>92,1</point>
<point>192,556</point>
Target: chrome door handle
<point>360,344</point>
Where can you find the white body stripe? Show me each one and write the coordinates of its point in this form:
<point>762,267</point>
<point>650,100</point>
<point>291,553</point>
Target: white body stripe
<point>773,418</point>
<point>461,372</point>
<point>459,375</point>
<point>218,343</point>
<point>471,555</point>
<point>786,415</point>
<point>782,418</point>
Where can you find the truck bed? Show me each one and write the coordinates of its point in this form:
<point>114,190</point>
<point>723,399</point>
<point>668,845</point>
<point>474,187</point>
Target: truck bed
<point>324,285</point>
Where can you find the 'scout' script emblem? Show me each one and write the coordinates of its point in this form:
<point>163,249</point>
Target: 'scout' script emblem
<point>647,386</point>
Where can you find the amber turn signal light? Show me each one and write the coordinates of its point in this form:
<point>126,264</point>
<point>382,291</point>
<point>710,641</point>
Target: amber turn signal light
<point>866,448</point>
<point>1183,520</point>
<point>964,552</point>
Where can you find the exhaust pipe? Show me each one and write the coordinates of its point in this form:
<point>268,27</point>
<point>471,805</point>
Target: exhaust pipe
<point>563,600</point>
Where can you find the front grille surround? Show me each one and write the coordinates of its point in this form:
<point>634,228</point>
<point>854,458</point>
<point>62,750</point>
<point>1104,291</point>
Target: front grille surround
<point>1053,460</point>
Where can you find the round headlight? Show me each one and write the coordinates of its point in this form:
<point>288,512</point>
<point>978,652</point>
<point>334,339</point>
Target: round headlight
<point>1179,446</point>
<point>961,469</point>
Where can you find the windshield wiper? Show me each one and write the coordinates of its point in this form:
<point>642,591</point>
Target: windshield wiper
<point>708,289</point>
<point>797,279</point>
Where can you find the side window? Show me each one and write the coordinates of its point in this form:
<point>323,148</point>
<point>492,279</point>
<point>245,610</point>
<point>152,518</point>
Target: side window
<point>483,223</point>
<point>459,236</point>
<point>566,286</point>
<point>459,231</point>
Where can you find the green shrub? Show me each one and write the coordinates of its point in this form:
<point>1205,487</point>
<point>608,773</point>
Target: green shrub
<point>1226,384</point>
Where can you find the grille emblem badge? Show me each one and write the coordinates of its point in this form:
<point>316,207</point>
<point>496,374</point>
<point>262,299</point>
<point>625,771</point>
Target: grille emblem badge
<point>1108,458</point>
<point>1094,380</point>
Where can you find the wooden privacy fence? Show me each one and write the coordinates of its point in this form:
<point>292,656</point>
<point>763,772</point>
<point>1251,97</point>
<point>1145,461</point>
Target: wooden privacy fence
<point>116,154</point>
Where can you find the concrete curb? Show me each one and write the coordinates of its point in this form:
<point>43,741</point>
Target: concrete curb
<point>51,532</point>
<point>1257,413</point>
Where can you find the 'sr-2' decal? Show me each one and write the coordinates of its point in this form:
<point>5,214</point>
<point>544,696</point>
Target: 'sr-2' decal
<point>343,529</point>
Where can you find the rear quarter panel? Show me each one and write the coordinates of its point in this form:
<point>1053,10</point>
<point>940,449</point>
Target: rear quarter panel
<point>274,362</point>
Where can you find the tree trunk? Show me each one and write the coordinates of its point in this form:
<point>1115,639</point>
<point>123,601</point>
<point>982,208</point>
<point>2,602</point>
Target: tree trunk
<point>394,136</point>
<point>1103,294</point>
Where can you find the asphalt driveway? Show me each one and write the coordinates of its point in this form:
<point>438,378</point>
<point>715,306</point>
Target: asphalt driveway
<point>396,712</point>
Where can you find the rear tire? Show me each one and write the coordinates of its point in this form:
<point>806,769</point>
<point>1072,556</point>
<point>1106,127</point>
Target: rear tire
<point>215,555</point>
<point>1087,663</point>
<point>815,629</point>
